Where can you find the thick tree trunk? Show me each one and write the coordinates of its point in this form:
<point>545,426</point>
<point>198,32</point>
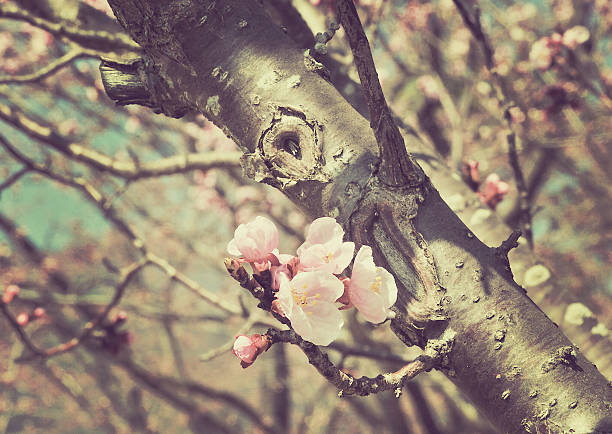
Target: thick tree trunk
<point>228,61</point>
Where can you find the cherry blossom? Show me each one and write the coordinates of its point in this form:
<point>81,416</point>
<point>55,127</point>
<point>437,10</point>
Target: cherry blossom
<point>22,319</point>
<point>372,289</point>
<point>494,190</point>
<point>324,249</point>
<point>288,267</point>
<point>9,293</point>
<point>308,301</point>
<point>255,241</point>
<point>247,348</point>
<point>575,36</point>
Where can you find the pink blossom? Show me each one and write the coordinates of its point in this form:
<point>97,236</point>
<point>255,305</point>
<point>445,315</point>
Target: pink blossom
<point>308,301</point>
<point>288,267</point>
<point>22,319</point>
<point>372,289</point>
<point>428,86</point>
<point>575,36</point>
<point>254,241</point>
<point>247,348</point>
<point>9,293</point>
<point>544,50</point>
<point>39,312</point>
<point>494,190</point>
<point>324,249</point>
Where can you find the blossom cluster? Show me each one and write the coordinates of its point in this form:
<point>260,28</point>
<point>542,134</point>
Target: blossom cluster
<point>311,288</point>
<point>544,50</point>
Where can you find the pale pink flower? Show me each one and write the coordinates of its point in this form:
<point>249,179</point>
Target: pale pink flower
<point>255,240</point>
<point>247,348</point>
<point>494,190</point>
<point>22,319</point>
<point>9,293</point>
<point>575,36</point>
<point>288,267</point>
<point>39,312</point>
<point>544,50</point>
<point>308,301</point>
<point>324,249</point>
<point>372,289</point>
<point>428,86</point>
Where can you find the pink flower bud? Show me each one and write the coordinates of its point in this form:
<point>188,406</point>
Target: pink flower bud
<point>9,293</point>
<point>494,190</point>
<point>39,312</point>
<point>248,348</point>
<point>22,319</point>
<point>120,318</point>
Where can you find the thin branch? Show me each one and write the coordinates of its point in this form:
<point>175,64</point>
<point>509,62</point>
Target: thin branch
<point>396,167</point>
<point>109,212</point>
<point>126,276</point>
<point>250,283</point>
<point>345,350</point>
<point>501,92</point>
<point>13,179</point>
<point>192,285</point>
<point>521,185</point>
<point>68,30</point>
<point>227,346</point>
<point>125,169</point>
<point>435,351</point>
<point>169,388</point>
<point>47,70</point>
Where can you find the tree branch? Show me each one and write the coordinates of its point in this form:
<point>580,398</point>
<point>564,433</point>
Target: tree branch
<point>363,386</point>
<point>501,92</point>
<point>124,169</point>
<point>68,30</point>
<point>396,168</point>
<point>109,211</point>
<point>49,69</point>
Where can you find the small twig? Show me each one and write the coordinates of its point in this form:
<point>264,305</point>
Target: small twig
<point>192,285</point>
<point>434,354</point>
<point>109,212</point>
<point>474,25</point>
<point>47,70</point>
<point>265,297</point>
<point>23,337</point>
<point>227,346</point>
<point>345,350</point>
<point>13,179</point>
<point>510,243</point>
<point>125,169</point>
<point>65,29</point>
<point>126,276</point>
<point>521,185</point>
<point>396,168</point>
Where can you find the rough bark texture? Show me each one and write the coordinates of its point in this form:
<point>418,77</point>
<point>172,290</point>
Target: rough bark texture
<point>298,133</point>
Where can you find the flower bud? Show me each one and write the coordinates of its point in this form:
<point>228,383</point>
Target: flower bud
<point>248,348</point>
<point>9,293</point>
<point>22,319</point>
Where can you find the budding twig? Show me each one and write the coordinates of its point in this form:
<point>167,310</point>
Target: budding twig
<point>434,355</point>
<point>396,168</point>
<point>474,25</point>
